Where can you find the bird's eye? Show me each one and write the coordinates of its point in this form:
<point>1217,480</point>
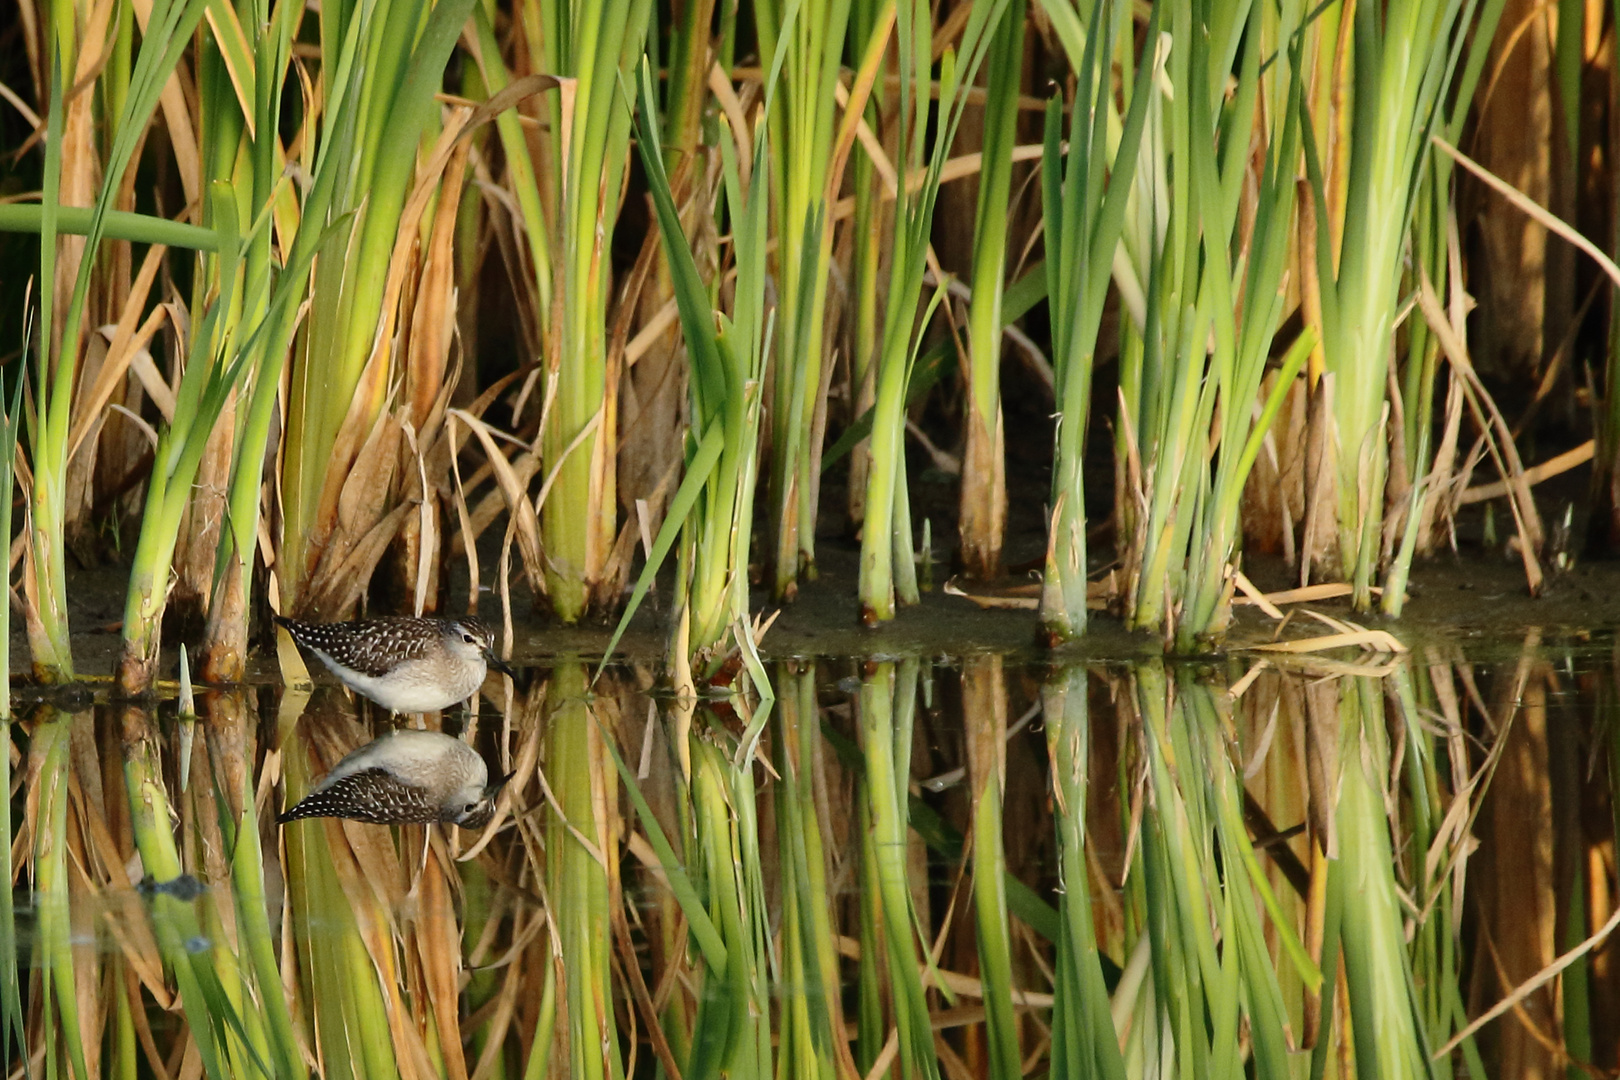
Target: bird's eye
<point>471,807</point>
<point>468,638</point>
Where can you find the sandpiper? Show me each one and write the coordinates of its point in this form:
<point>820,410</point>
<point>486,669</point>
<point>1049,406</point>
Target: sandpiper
<point>405,778</point>
<point>402,663</point>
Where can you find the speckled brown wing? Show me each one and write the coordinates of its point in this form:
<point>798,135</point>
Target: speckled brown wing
<point>371,647</point>
<point>373,795</point>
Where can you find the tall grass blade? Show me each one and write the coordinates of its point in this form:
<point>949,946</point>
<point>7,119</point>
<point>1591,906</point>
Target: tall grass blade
<point>167,32</point>
<point>1084,200</point>
<point>887,571</point>
<point>210,377</point>
<point>115,225</point>
<point>1402,67</point>
<point>714,505</point>
<point>44,580</point>
<point>804,40</point>
<point>982,506</point>
<point>385,73</point>
<point>598,45</point>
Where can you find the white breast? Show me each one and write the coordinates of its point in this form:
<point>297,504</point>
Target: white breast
<point>421,685</point>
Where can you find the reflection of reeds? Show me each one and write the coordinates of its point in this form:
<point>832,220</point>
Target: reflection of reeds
<point>11,1016</point>
<point>985,711</point>
<point>579,835</point>
<point>812,1017</point>
<point>58,1009</point>
<point>887,707</point>
<point>1277,881</point>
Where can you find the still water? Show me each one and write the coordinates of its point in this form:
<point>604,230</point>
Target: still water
<point>900,866</point>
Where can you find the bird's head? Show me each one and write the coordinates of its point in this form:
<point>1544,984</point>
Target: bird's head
<point>474,804</point>
<point>472,639</point>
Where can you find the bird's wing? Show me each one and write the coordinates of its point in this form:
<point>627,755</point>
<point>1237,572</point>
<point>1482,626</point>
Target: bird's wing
<point>373,647</point>
<point>374,795</point>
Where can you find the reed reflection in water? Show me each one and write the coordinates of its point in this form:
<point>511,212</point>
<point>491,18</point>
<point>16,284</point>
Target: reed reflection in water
<point>898,867</point>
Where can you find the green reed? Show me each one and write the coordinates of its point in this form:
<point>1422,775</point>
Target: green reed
<point>1400,77</point>
<point>982,506</point>
<point>866,19</point>
<point>1432,218</point>
<point>268,313</point>
<point>803,39</point>
<point>713,508</point>
<point>168,29</point>
<point>1084,195</point>
<point>386,64</point>
<point>887,568</point>
<point>1215,297</point>
<point>587,143</point>
<point>211,376</point>
<point>115,225</point>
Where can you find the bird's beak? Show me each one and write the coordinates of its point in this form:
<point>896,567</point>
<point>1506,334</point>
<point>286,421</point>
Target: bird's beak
<point>500,665</point>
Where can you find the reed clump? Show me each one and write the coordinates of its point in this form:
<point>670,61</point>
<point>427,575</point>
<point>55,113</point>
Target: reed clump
<point>321,295</point>
<point>1200,206</point>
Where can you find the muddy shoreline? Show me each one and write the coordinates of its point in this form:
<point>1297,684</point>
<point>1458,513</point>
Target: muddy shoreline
<point>1479,604</point>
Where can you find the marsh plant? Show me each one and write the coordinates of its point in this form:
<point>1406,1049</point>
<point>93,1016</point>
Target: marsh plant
<point>335,307</point>
<point>312,407</point>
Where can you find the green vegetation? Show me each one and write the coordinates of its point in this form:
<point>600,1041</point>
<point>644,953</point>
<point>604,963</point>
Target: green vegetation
<point>323,293</point>
<point>350,216</point>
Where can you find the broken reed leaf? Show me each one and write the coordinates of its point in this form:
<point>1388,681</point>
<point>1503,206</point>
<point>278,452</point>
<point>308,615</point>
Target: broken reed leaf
<point>1370,640</point>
